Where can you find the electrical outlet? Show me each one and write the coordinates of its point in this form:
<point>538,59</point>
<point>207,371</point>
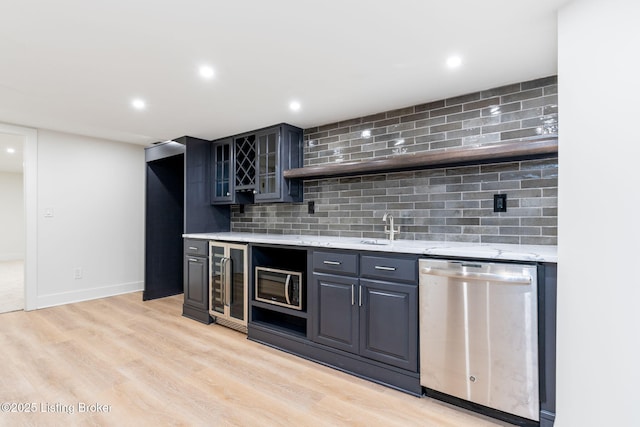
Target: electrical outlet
<point>77,273</point>
<point>499,202</point>
<point>311,207</point>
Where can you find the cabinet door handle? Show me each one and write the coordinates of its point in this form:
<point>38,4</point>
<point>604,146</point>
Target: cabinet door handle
<point>193,260</point>
<point>353,294</point>
<point>193,248</point>
<point>332,262</point>
<point>359,295</point>
<point>382,267</point>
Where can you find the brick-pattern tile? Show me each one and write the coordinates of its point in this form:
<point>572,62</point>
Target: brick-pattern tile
<point>450,204</point>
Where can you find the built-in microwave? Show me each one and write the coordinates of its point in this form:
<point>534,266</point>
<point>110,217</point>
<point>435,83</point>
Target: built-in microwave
<point>279,287</point>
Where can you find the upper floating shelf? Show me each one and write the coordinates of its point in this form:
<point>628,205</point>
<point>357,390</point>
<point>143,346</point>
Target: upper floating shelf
<point>491,153</point>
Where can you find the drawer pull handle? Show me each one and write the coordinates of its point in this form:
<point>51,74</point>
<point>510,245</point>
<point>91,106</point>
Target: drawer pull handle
<point>193,260</point>
<point>382,267</point>
<point>193,248</point>
<point>332,262</point>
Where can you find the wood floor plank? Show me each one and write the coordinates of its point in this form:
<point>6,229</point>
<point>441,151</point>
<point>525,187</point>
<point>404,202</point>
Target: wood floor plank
<point>152,366</point>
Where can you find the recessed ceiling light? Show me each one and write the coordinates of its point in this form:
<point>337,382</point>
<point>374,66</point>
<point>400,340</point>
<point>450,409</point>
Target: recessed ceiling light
<point>206,72</point>
<point>295,106</point>
<point>139,104</point>
<point>454,61</point>
<point>11,150</point>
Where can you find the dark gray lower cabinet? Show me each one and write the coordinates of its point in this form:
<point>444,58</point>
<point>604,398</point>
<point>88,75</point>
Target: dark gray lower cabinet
<point>361,317</point>
<point>337,317</point>
<point>388,323</point>
<point>195,291</point>
<point>369,315</point>
<point>196,280</point>
<point>377,320</point>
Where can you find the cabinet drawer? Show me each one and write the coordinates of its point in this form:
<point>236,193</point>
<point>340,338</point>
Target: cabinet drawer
<point>196,247</point>
<point>391,269</point>
<point>335,262</point>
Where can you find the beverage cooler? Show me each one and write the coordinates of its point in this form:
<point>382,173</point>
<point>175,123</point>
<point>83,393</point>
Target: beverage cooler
<point>228,284</point>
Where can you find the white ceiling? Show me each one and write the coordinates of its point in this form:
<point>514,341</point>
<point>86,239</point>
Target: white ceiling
<point>75,65</point>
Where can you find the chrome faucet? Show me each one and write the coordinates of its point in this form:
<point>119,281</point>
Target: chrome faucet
<point>388,228</point>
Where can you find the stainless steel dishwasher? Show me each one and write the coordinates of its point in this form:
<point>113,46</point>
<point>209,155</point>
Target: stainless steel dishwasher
<point>479,333</point>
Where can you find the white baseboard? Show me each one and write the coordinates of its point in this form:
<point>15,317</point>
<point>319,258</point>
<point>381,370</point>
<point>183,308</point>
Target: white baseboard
<point>62,298</point>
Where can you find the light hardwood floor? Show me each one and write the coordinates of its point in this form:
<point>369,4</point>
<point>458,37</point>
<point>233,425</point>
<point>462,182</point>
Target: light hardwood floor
<point>154,367</point>
<point>11,285</point>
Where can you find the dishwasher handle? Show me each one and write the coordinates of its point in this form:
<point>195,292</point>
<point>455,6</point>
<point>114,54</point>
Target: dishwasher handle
<point>501,278</point>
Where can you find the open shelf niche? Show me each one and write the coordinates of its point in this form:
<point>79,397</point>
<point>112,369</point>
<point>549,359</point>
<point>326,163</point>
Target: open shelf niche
<point>276,318</point>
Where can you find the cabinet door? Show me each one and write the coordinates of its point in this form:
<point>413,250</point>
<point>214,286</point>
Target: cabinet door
<point>223,172</point>
<point>195,284</point>
<point>268,165</point>
<point>336,312</point>
<point>388,323</point>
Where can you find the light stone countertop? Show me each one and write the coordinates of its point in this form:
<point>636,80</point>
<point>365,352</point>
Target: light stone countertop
<point>497,251</point>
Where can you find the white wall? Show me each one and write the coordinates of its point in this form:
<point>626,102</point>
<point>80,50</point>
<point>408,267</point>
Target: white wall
<point>599,214</point>
<point>12,232</point>
<point>95,189</point>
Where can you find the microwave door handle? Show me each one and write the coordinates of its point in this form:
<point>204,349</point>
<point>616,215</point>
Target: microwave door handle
<point>286,288</point>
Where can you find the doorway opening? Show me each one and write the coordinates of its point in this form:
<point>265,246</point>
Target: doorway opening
<point>12,223</point>
<point>28,230</point>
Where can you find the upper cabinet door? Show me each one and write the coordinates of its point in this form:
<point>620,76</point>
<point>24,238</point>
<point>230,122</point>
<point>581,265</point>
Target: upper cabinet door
<point>222,166</point>
<point>291,190</point>
<point>278,149</point>
<point>268,165</point>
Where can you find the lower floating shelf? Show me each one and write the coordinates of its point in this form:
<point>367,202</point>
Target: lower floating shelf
<point>276,320</point>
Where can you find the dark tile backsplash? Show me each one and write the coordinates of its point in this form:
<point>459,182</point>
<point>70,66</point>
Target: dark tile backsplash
<point>451,204</point>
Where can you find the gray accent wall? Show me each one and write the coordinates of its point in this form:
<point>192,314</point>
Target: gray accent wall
<point>450,204</point>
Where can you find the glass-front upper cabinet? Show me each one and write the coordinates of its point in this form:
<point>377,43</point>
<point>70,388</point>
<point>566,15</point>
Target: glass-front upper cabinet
<point>267,182</point>
<point>277,149</point>
<point>247,168</point>
<point>222,170</point>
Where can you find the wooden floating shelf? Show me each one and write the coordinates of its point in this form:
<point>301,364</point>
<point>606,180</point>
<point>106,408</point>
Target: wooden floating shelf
<point>490,153</point>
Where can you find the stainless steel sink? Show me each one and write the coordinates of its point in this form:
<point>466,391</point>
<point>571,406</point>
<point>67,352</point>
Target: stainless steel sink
<point>379,242</point>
